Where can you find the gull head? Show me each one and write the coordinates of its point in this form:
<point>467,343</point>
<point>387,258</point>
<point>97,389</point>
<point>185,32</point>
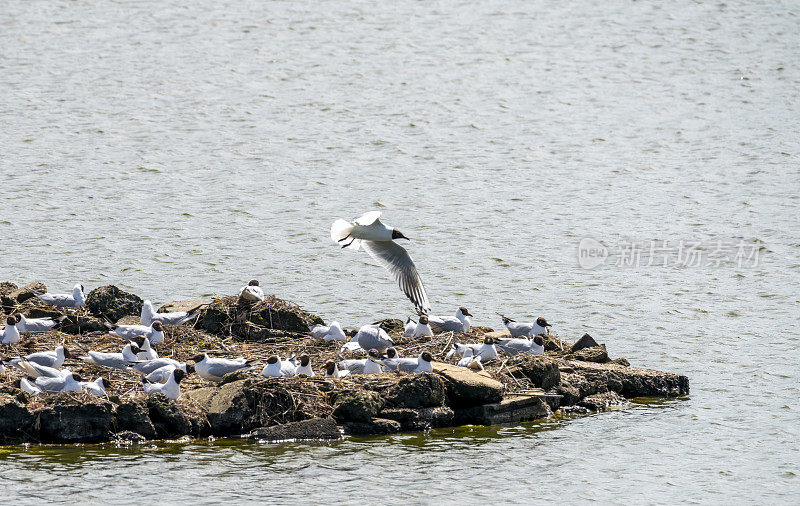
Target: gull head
<point>423,320</point>
<point>253,282</point>
<point>178,374</point>
<point>464,311</point>
<point>11,321</point>
<point>488,340</point>
<point>391,353</point>
<point>330,368</point>
<point>538,340</point>
<point>189,368</point>
<point>272,360</point>
<point>198,358</point>
<point>157,326</point>
<point>304,360</point>
<point>396,234</point>
<point>76,376</point>
<point>542,322</point>
<point>373,355</point>
<point>427,357</point>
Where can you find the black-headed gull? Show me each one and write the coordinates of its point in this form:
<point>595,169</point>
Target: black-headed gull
<point>25,324</point>
<point>69,382</point>
<point>277,368</point>
<point>252,292</point>
<point>145,351</point>
<point>425,363</point>
<point>304,366</point>
<point>172,388</point>
<point>26,386</point>
<point>373,364</point>
<point>54,358</point>
<point>523,329</point>
<point>470,361</point>
<point>34,370</point>
<point>149,315</point>
<point>332,332</point>
<point>154,333</point>
<point>161,375</point>
<point>393,361</point>
<point>76,299</point>
<point>458,323</point>
<point>96,387</point>
<point>370,337</point>
<point>332,370</point>
<point>149,366</point>
<point>513,346</point>
<point>423,328</point>
<point>485,350</point>
<point>11,332</point>
<point>123,360</point>
<point>409,327</point>
<point>213,369</point>
<point>378,241</point>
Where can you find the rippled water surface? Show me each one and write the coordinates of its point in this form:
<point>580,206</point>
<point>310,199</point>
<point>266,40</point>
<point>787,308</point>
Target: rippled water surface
<point>179,149</point>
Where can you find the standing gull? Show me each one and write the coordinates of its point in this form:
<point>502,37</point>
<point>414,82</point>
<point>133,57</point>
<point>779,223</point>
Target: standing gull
<point>378,241</point>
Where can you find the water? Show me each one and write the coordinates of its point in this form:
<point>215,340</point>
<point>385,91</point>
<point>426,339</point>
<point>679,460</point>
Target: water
<point>178,151</point>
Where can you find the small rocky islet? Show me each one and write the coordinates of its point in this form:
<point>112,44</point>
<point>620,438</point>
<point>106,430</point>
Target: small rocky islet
<point>577,377</point>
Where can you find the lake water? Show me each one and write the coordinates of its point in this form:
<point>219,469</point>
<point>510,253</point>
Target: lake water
<point>178,150</point>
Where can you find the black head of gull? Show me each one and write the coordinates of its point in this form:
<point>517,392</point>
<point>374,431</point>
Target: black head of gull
<point>198,358</point>
<point>272,360</point>
<point>373,354</point>
<point>253,282</point>
<point>330,368</point>
<point>189,368</point>
<point>427,357</point>
<point>423,320</point>
<point>488,340</point>
<point>11,321</point>
<point>157,326</point>
<point>464,311</point>
<point>391,352</point>
<point>396,234</point>
<point>304,360</point>
<point>178,374</point>
<point>538,340</point>
<point>76,377</point>
<point>542,322</point>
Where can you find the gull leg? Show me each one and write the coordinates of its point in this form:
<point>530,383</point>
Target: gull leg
<point>345,238</point>
<point>349,243</point>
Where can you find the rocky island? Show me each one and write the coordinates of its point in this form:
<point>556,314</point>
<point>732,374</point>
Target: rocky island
<point>572,377</point>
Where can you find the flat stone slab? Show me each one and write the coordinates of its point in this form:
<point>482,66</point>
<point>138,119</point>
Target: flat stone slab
<point>313,429</point>
<point>181,305</point>
<point>466,388</point>
<point>514,409</point>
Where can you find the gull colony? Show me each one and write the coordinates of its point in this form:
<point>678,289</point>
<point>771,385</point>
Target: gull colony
<point>45,371</point>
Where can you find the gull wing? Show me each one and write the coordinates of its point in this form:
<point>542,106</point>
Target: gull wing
<point>398,262</point>
<point>368,218</point>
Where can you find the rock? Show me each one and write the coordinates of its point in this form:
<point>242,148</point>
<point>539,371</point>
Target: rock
<point>391,325</point>
<point>374,426</point>
<point>128,437</point>
<point>181,306</point>
<point>35,308</point>
<point>226,314</point>
<point>575,386</point>
<point>478,330</point>
<point>234,376</point>
<point>552,343</point>
<point>15,419</point>
<point>28,291</point>
<point>76,421</point>
<point>631,381</point>
<point>466,388</point>
<point>313,429</point>
<point>168,420</point>
<point>420,419</point>
<point>356,405</point>
<point>601,402</point>
<point>6,287</point>
<point>111,303</point>
<point>134,416</point>
<point>417,391</point>
<point>79,324</point>
<point>620,361</point>
<point>229,408</point>
<point>541,370</point>
<point>594,354</point>
<point>517,408</point>
<point>584,342</point>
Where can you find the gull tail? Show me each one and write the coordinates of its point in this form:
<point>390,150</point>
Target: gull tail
<point>340,234</point>
<point>506,320</point>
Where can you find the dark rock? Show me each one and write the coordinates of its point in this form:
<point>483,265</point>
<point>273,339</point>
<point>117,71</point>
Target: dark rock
<point>391,325</point>
<point>417,391</point>
<point>35,308</point>
<point>229,314</point>
<point>76,421</point>
<point>80,324</point>
<point>584,342</point>
<point>601,402</point>
<point>313,429</point>
<point>128,437</point>
<point>541,370</point>
<point>6,287</point>
<point>15,419</point>
<point>596,354</point>
<point>629,381</point>
<point>229,409</point>
<point>620,361</point>
<point>466,388</point>
<point>234,376</point>
<point>168,420</point>
<point>575,386</point>
<point>111,303</point>
<point>420,419</point>
<point>356,405</point>
<point>478,330</point>
<point>201,427</point>
<point>517,408</point>
<point>28,291</point>
<point>374,426</point>
<point>134,416</point>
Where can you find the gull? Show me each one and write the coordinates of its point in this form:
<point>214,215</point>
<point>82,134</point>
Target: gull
<point>485,350</point>
<point>378,241</point>
<point>425,363</point>
<point>305,366</point>
<point>531,329</point>
<point>96,387</point>
<point>393,361</point>
<point>373,365</point>
<point>172,388</point>
<point>512,346</point>
<point>470,361</point>
<point>145,351</point>
<point>459,323</point>
<point>333,332</point>
<point>53,358</point>
<point>27,386</point>
<point>423,328</point>
<point>76,299</point>
<point>353,365</point>
<point>38,324</point>
<point>161,375</point>
<point>34,370</point>
<point>122,360</point>
<point>332,370</point>
<point>149,315</point>
<point>69,382</point>
<point>149,366</point>
<point>154,332</point>
<point>277,368</point>
<point>252,292</point>
<point>11,332</point>
<point>371,337</point>
<point>213,369</point>
<point>409,327</point>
